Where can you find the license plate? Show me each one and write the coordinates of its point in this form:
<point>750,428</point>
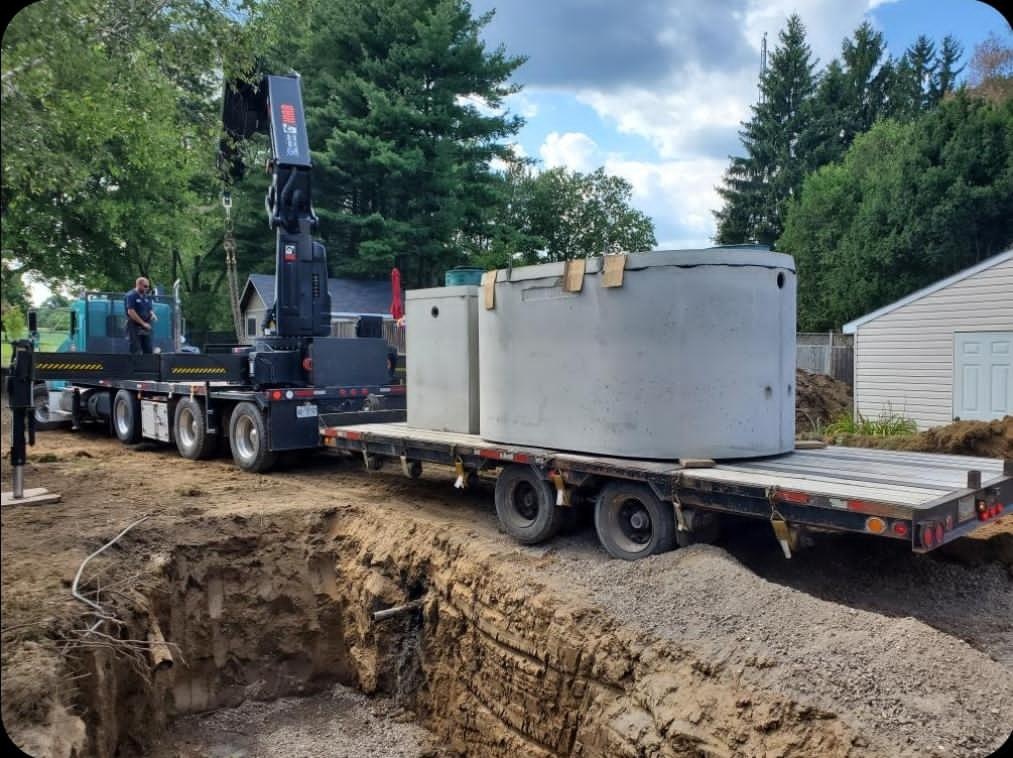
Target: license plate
<point>306,411</point>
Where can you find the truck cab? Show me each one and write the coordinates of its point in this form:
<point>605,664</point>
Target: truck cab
<point>98,325</point>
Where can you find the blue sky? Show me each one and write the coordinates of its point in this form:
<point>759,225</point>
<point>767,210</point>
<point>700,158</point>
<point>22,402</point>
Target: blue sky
<point>655,90</point>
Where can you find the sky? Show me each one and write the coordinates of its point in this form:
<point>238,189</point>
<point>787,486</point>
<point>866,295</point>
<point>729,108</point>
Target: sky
<point>655,90</point>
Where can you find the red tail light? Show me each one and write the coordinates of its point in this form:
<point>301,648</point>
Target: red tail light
<point>900,528</point>
<point>928,535</point>
<point>939,534</point>
<point>996,509</point>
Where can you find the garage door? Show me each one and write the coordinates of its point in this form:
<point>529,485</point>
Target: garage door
<point>983,375</point>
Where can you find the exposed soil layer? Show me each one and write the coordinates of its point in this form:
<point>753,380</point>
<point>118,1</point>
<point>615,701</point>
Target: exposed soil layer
<point>264,588</point>
<point>989,439</point>
<point>819,400</point>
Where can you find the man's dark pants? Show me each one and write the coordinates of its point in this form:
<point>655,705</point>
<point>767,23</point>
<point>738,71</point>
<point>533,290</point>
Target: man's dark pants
<point>140,339</point>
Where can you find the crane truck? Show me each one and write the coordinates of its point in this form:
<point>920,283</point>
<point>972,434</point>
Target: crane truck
<point>300,389</point>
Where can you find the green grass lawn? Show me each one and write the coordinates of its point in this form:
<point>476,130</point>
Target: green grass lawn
<point>49,341</point>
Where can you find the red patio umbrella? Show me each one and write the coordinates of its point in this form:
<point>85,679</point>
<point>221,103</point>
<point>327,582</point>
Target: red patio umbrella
<point>396,308</point>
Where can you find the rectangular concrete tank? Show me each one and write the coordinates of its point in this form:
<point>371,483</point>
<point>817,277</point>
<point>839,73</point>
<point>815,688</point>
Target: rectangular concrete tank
<point>692,355</point>
<point>441,345</point>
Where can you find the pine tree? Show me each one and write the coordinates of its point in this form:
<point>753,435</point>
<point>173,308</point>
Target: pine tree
<point>945,75</point>
<point>757,186</point>
<point>403,106</point>
<point>851,96</point>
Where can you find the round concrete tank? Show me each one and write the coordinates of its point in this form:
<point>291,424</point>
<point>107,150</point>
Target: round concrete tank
<point>678,354</point>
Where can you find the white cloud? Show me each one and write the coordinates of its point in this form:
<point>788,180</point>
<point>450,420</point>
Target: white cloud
<point>572,150</point>
<point>500,165</point>
<point>521,104</point>
<point>678,195</point>
<point>697,117</point>
<point>827,22</point>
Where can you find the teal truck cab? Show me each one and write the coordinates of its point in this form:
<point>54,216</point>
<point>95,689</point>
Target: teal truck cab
<point>98,325</point>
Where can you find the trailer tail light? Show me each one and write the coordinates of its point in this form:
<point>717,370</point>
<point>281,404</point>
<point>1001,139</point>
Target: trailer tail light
<point>900,528</point>
<point>940,534</point>
<point>276,395</point>
<point>986,511</point>
<point>789,496</point>
<point>928,532</point>
<point>307,364</point>
<point>875,525</point>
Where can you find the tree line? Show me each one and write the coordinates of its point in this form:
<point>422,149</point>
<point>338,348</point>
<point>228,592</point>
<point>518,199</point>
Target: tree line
<point>111,118</point>
<point>879,175</point>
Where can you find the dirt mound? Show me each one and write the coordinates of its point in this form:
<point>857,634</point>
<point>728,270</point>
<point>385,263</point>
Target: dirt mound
<point>819,399</point>
<point>988,439</point>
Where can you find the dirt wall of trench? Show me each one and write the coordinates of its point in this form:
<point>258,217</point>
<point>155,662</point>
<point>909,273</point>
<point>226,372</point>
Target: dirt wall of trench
<point>282,607</point>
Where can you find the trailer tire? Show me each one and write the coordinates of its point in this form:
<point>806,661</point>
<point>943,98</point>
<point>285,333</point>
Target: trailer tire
<point>40,409</point>
<point>126,417</point>
<point>632,522</point>
<point>526,505</point>
<point>189,428</point>
<point>248,439</point>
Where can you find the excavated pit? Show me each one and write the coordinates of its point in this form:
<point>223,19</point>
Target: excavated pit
<point>282,607</point>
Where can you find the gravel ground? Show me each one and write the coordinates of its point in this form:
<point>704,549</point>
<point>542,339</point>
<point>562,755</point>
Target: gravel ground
<point>846,660</point>
<point>340,723</point>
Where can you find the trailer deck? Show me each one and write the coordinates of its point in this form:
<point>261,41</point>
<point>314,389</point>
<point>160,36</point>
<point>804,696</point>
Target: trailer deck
<point>927,499</point>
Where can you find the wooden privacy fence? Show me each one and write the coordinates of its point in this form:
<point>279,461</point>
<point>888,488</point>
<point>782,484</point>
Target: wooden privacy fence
<point>827,353</point>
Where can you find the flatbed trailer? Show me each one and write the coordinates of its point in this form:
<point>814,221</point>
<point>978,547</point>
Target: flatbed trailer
<point>644,507</point>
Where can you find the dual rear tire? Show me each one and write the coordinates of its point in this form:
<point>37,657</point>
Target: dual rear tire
<point>631,521</point>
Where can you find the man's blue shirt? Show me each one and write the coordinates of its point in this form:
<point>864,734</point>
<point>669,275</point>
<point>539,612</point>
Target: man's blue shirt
<point>140,303</point>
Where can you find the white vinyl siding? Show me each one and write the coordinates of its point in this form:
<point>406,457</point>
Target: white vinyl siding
<point>255,311</point>
<point>904,358</point>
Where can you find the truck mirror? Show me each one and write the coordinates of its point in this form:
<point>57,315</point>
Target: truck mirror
<point>33,321</point>
<point>73,322</point>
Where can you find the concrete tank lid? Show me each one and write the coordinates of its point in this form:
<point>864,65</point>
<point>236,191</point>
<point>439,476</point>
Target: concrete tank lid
<point>737,256</point>
<point>460,290</point>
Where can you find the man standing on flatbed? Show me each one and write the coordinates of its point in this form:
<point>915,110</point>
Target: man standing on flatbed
<point>140,316</point>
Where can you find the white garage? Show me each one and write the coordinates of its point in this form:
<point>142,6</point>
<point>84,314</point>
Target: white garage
<point>942,353</point>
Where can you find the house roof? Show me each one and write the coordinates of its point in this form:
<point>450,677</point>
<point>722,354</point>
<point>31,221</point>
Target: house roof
<point>852,326</point>
<point>348,296</point>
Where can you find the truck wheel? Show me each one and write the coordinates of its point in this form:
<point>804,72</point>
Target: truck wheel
<point>127,417</point>
<point>190,431</point>
<point>632,522</point>
<point>526,505</point>
<point>40,407</point>
<point>248,439</point>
